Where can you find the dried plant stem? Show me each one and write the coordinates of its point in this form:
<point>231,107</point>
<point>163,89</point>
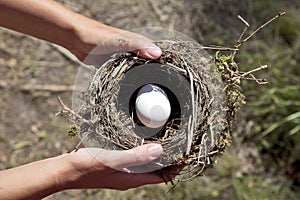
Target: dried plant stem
<point>250,73</point>
<point>218,48</point>
<point>254,70</point>
<point>245,22</point>
<point>264,25</point>
<point>238,43</point>
<point>70,111</point>
<point>47,88</point>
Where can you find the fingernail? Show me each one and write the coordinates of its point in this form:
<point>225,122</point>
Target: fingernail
<point>155,151</point>
<point>154,51</point>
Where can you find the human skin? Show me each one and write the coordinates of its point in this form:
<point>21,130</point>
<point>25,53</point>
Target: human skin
<point>79,170</point>
<point>51,21</point>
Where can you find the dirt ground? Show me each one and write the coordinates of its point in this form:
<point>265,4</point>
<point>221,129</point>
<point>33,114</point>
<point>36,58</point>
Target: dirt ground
<point>29,129</point>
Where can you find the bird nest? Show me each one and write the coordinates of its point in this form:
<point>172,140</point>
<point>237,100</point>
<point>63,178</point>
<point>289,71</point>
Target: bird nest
<point>204,94</point>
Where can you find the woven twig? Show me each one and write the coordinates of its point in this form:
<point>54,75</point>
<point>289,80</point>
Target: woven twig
<point>193,138</point>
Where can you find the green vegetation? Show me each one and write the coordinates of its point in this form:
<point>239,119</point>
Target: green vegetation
<point>22,144</point>
<point>72,132</point>
<point>275,108</point>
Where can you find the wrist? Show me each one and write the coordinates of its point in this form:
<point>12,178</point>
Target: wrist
<point>64,172</point>
<point>70,170</point>
<point>88,34</point>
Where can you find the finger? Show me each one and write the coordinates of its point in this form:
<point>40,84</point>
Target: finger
<point>138,156</point>
<point>151,52</point>
<point>145,48</point>
<point>133,42</point>
<point>122,159</point>
<point>142,46</point>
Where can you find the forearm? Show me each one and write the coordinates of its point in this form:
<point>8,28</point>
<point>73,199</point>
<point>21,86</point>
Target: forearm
<point>48,20</point>
<point>33,181</point>
<point>84,168</point>
<point>45,19</point>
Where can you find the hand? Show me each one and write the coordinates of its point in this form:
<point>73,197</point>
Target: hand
<point>98,39</point>
<point>85,168</point>
<point>99,168</point>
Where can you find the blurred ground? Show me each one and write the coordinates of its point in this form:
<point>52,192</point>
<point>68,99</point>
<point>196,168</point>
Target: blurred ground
<point>30,131</point>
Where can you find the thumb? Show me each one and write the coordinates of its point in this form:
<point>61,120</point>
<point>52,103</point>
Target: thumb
<point>133,157</point>
<point>133,42</point>
<point>142,46</point>
<point>123,40</point>
<point>141,155</point>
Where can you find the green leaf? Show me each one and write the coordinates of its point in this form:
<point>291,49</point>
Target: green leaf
<point>22,145</point>
<point>295,130</point>
<point>277,124</point>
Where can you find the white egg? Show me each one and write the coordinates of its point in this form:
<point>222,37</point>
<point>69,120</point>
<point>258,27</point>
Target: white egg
<point>152,106</point>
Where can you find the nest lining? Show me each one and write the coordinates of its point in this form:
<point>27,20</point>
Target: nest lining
<point>195,137</point>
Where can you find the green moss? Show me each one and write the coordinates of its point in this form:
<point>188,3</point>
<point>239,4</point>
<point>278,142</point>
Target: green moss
<point>72,132</point>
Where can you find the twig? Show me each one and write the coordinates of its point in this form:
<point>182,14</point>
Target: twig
<point>220,48</point>
<point>32,87</point>
<point>262,26</point>
<point>253,70</point>
<point>68,110</point>
<point>72,57</point>
<point>244,21</point>
<point>259,81</point>
<point>48,88</point>
<point>238,43</point>
<point>250,73</point>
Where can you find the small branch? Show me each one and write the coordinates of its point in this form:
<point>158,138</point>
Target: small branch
<point>32,87</point>
<point>253,70</point>
<point>244,21</point>
<point>240,38</point>
<point>252,77</point>
<point>67,54</point>
<point>238,43</point>
<point>258,81</point>
<point>48,88</point>
<point>68,110</point>
<point>220,48</point>
<point>264,25</point>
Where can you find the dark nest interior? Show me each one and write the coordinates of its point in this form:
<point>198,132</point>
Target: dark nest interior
<point>204,93</point>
